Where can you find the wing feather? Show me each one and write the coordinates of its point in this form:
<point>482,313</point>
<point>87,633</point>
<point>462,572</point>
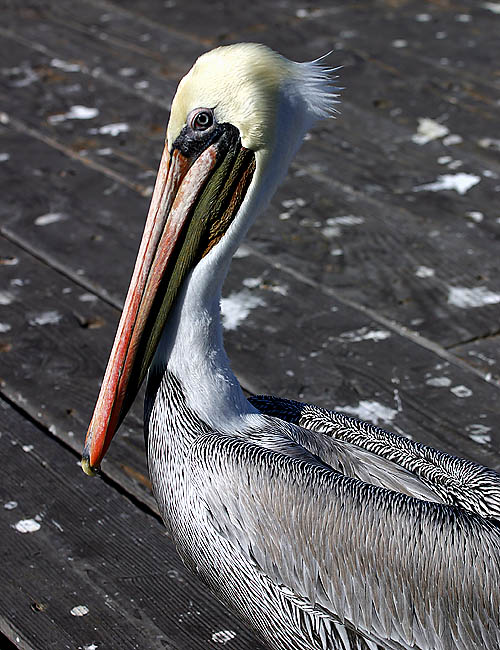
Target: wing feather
<point>400,571</point>
<point>455,480</point>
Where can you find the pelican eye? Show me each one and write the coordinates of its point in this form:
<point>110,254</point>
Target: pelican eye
<point>202,120</point>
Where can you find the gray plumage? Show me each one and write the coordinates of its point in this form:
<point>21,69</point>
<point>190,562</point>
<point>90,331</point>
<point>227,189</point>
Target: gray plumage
<point>352,542</point>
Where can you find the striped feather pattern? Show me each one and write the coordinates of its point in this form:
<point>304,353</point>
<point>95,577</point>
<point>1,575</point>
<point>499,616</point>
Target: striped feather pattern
<point>457,481</point>
<point>314,559</point>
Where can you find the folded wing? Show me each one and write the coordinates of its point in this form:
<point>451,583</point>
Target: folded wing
<point>400,571</point>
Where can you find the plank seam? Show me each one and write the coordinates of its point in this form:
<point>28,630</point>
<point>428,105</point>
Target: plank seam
<point>52,263</point>
<point>100,292</point>
<point>139,18</point>
<point>84,69</point>
<point>379,318</point>
<point>396,327</point>
<point>105,476</point>
<point>474,339</point>
<point>21,127</point>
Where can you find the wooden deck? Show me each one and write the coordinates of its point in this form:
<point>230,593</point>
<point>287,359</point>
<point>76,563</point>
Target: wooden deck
<point>369,291</point>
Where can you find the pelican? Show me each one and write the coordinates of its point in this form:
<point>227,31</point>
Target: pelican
<point>318,530</point>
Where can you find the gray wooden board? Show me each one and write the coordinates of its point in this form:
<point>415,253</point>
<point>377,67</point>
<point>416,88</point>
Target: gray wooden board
<point>111,42</point>
<point>89,212</point>
<point>369,34</point>
<point>333,355</point>
<point>427,231</point>
<point>483,354</point>
<point>408,87</point>
<point>138,128</point>
<point>105,256</point>
<point>93,548</point>
<point>375,19</point>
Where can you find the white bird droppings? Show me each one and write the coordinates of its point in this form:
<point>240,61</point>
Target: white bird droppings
<point>293,203</point>
<point>364,334</point>
<point>4,156</point>
<point>92,646</point>
<point>80,610</point>
<point>465,297</point>
<point>50,217</point>
<point>331,231</point>
<point>127,72</point>
<point>6,298</point>
<point>428,130</point>
<point>475,215</point>
<point>28,448</point>
<point>424,272</point>
<point>112,129</point>
<point>11,260</point>
<point>10,505</point>
<point>479,433</point>
<point>452,139</point>
<point>223,636</point>
<point>65,65</point>
<point>27,526</point>
<point>370,410</point>
<point>4,327</point>
<point>492,6</point>
<point>480,438</point>
<point>399,43</point>
<point>242,251</point>
<point>438,382</point>
<point>345,220</point>
<point>46,318</point>
<point>58,525</point>
<point>489,143</point>
<point>281,289</point>
<point>236,307</point>
<point>423,18</point>
<point>77,112</point>
<point>87,297</point>
<point>461,391</point>
<point>461,183</point>
<point>252,283</point>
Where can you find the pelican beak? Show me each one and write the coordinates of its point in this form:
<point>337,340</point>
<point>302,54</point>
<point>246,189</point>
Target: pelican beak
<point>196,196</point>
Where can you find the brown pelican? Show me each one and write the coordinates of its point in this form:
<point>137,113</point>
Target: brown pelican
<point>320,531</point>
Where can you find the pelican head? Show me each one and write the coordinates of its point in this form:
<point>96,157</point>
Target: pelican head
<point>237,119</point>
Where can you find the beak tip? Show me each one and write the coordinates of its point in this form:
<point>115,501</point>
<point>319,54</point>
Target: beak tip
<point>87,467</point>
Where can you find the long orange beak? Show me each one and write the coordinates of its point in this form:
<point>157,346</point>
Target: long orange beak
<point>195,198</point>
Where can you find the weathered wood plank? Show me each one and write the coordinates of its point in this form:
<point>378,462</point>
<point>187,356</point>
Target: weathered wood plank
<point>423,237</point>
<point>456,36</point>
<point>382,258</point>
<point>46,98</point>
<point>36,235</point>
<point>341,362</point>
<point>54,340</point>
<point>483,354</point>
<point>87,545</point>
<point>87,212</point>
